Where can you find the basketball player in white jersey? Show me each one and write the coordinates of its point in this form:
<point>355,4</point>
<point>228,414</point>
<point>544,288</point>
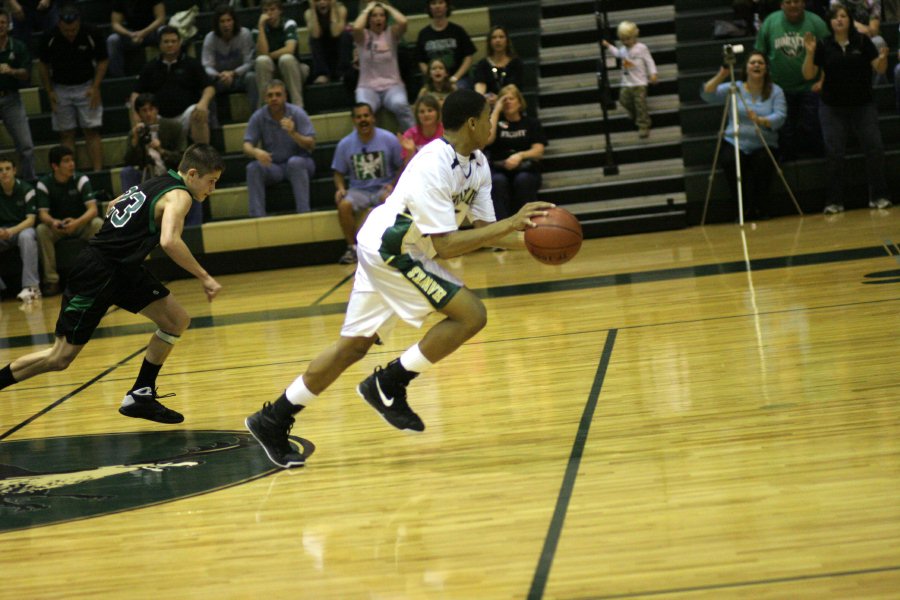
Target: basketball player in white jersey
<point>446,182</point>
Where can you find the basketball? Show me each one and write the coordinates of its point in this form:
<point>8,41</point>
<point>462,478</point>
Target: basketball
<point>557,237</point>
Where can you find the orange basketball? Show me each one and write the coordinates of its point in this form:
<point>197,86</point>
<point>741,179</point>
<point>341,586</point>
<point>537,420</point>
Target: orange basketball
<point>557,237</point>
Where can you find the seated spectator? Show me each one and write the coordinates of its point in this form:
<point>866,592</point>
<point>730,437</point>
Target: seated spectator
<point>30,16</point>
<point>781,39</point>
<point>445,40</point>
<point>72,64</point>
<point>428,127</point>
<point>15,68</point>
<point>326,20</point>
<point>438,83</point>
<point>135,25</point>
<point>17,213</point>
<point>228,55</point>
<point>370,158</point>
<point>848,59</point>
<point>761,103</point>
<point>280,139</point>
<point>181,87</point>
<point>66,209</point>
<point>154,148</point>
<point>501,66</point>
<point>379,72</point>
<point>514,148</point>
<point>276,47</point>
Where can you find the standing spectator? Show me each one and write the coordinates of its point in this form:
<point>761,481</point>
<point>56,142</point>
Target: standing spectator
<point>515,148</point>
<point>781,40</point>
<point>501,66</point>
<point>73,63</point>
<point>181,87</point>
<point>276,46</point>
<point>17,214</point>
<point>370,157</point>
<point>135,25</point>
<point>866,16</point>
<point>66,209</point>
<point>761,103</point>
<point>30,16</point>
<point>326,20</point>
<point>15,68</point>
<point>848,59</point>
<point>638,70</point>
<point>428,127</point>
<point>228,55</point>
<point>438,83</point>
<point>445,40</point>
<point>154,148</point>
<point>379,72</point>
<point>280,139</point>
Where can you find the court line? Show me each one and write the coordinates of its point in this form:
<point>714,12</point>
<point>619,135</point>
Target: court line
<point>749,583</point>
<point>539,582</point>
<point>336,287</point>
<point>74,392</point>
<point>542,287</point>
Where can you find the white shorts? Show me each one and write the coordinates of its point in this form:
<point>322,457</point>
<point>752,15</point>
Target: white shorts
<point>411,287</point>
<point>73,108</point>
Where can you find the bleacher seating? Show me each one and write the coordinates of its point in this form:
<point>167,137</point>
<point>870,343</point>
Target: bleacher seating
<point>699,56</point>
<point>328,105</point>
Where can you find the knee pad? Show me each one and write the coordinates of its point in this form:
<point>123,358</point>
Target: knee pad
<point>167,337</point>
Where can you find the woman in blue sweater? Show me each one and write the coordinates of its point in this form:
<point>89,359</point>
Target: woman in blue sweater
<point>763,105</point>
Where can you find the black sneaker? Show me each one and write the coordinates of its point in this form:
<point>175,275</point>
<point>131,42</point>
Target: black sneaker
<point>389,399</point>
<point>146,406</point>
<point>272,434</point>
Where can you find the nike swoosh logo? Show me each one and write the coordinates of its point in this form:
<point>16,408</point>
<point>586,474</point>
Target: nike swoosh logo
<point>389,402</point>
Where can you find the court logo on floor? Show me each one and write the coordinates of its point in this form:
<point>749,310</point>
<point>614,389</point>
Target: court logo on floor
<point>52,480</point>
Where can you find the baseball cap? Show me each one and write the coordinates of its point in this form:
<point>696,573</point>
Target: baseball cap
<point>69,14</point>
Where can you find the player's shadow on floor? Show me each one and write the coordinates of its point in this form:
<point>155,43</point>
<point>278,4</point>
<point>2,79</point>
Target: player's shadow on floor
<point>882,277</point>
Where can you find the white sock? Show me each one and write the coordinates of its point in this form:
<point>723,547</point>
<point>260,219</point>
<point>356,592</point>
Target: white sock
<point>298,394</point>
<point>413,360</point>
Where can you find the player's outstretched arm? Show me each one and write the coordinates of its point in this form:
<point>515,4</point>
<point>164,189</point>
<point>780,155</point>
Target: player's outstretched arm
<point>176,207</point>
<point>500,233</point>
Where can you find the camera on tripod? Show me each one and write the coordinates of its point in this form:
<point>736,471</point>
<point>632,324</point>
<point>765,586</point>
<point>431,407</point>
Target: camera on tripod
<point>730,52</point>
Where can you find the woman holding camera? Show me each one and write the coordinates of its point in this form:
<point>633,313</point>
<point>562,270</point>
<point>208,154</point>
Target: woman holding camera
<point>760,103</point>
<point>848,59</point>
<point>514,148</point>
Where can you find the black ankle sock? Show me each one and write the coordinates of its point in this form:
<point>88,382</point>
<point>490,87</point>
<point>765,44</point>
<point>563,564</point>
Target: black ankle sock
<point>396,371</point>
<point>146,376</point>
<point>6,376</point>
<point>283,407</point>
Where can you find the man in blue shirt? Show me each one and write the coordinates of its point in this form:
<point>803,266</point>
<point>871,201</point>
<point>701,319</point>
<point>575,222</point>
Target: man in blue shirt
<point>371,158</point>
<point>280,138</point>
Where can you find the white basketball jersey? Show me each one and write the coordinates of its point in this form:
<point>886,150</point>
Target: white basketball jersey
<point>436,192</point>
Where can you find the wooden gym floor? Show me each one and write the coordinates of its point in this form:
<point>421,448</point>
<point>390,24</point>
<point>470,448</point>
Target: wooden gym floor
<point>707,413</point>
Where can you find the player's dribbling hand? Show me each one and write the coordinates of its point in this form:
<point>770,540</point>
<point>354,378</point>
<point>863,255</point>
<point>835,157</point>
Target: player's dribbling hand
<point>522,219</point>
<point>211,287</point>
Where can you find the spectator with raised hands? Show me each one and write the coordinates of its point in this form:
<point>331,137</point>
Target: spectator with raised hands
<point>380,83</point>
<point>326,20</point>
<point>848,59</point>
<point>761,103</point>
<point>501,66</point>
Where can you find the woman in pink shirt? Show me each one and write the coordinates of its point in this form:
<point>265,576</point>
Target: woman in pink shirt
<point>428,127</point>
<point>379,72</point>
